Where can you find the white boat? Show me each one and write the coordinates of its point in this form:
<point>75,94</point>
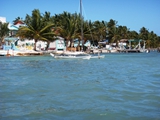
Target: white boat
<point>75,55</point>
<point>71,56</point>
<point>7,53</point>
<point>3,53</point>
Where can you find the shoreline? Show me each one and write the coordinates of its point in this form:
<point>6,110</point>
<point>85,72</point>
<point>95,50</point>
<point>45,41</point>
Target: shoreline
<point>35,53</point>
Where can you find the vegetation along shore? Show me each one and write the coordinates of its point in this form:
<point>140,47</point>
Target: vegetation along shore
<point>44,27</point>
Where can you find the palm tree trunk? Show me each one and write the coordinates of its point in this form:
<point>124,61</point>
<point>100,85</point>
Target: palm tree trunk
<point>48,42</point>
<point>70,43</point>
<point>78,46</point>
<point>0,42</point>
<point>35,44</point>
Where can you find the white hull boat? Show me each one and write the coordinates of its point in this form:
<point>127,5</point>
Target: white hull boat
<point>3,53</point>
<point>7,53</point>
<point>71,56</point>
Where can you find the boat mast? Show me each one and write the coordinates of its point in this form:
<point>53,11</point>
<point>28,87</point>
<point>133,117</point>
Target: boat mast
<point>81,17</point>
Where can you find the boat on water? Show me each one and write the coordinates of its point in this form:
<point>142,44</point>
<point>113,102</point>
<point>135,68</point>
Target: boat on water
<point>7,53</point>
<point>3,53</point>
<point>71,56</point>
<point>76,55</point>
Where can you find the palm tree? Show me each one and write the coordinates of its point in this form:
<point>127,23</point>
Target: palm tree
<point>112,31</point>
<point>88,30</point>
<point>152,40</point>
<point>28,19</point>
<point>67,26</point>
<point>123,32</point>
<point>100,30</point>
<point>133,35</point>
<point>3,31</point>
<point>143,33</point>
<point>47,17</point>
<point>36,29</point>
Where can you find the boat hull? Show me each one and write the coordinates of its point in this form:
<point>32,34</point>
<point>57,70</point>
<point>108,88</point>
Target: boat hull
<point>71,56</point>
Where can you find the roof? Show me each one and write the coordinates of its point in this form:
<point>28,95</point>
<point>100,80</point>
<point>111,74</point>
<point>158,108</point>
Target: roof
<point>12,27</point>
<point>15,27</point>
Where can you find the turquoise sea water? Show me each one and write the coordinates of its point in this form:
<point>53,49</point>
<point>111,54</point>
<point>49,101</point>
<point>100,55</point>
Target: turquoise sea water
<point>120,86</point>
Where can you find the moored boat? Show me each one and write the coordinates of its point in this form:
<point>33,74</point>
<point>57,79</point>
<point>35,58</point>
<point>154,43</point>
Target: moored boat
<point>71,56</point>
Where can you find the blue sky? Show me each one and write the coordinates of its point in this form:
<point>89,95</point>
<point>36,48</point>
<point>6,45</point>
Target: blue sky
<point>134,14</point>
